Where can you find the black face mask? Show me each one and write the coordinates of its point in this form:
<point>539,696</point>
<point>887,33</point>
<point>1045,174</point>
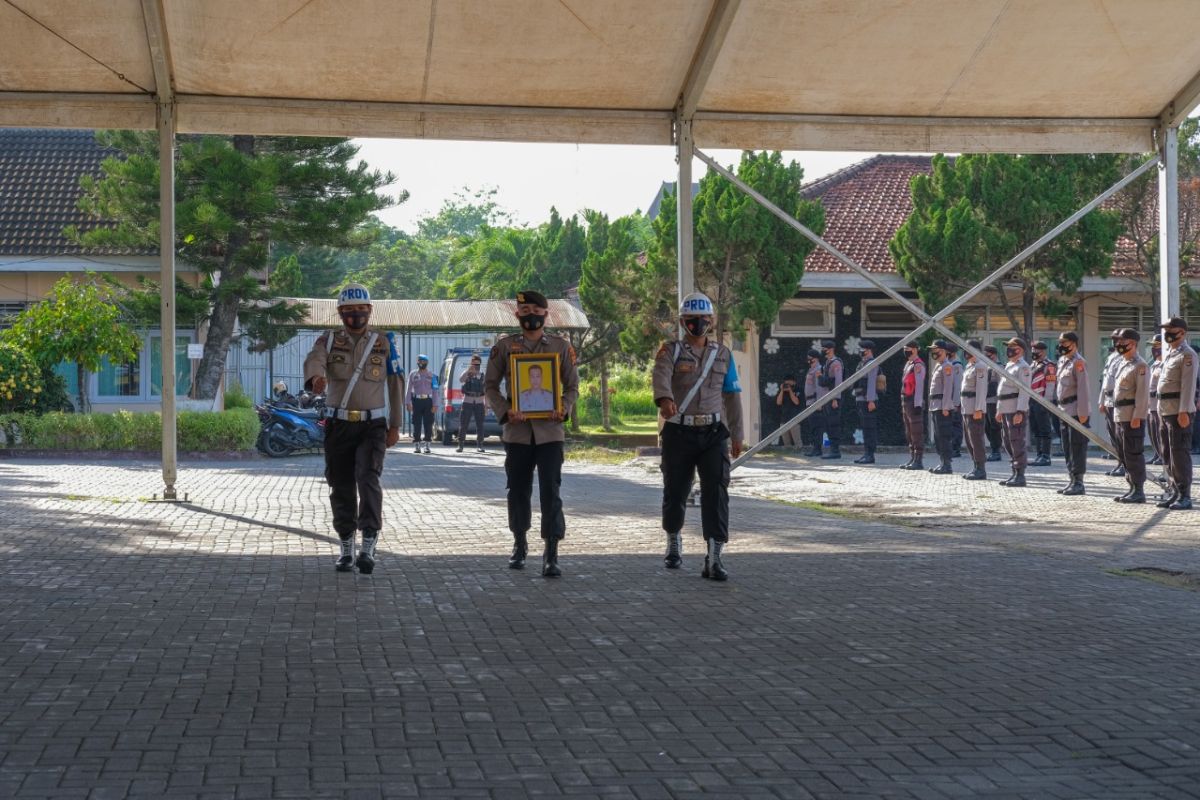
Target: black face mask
<point>696,326</point>
<point>1011,352</point>
<point>422,364</point>
<point>1124,348</point>
<point>531,322</point>
<point>910,354</point>
<point>1063,350</point>
<point>354,322</point>
<point>1172,336</point>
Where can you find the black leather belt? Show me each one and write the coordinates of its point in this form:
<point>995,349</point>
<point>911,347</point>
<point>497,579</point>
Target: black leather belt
<point>1168,395</point>
<point>1153,394</point>
<point>1123,403</point>
<point>968,394</point>
<point>1009,396</point>
<point>1070,399</point>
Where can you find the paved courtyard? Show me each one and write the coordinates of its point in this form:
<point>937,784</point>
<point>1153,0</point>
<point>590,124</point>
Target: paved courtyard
<point>912,644</point>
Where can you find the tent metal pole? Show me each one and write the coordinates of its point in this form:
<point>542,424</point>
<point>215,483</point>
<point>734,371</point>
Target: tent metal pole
<point>1168,223</point>
<point>684,149</point>
<point>930,321</point>
<point>166,253</point>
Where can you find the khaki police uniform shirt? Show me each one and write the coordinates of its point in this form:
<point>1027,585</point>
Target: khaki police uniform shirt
<point>1178,377</point>
<point>941,386</point>
<point>674,377</point>
<point>1155,372</point>
<point>531,431</point>
<point>1131,390</point>
<point>1073,387</point>
<point>810,383</point>
<point>974,388</point>
<point>335,356</point>
<point>1015,372</point>
<point>915,368</point>
<point>1111,365</point>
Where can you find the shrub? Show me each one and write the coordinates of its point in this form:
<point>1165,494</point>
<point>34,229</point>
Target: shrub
<point>236,397</point>
<point>20,380</point>
<point>228,430</point>
<point>198,431</point>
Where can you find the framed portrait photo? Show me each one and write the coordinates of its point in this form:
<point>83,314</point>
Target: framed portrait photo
<point>536,387</point>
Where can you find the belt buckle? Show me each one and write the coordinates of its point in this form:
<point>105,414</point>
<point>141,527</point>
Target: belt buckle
<point>354,416</point>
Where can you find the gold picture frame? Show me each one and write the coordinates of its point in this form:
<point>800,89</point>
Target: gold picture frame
<point>531,394</point>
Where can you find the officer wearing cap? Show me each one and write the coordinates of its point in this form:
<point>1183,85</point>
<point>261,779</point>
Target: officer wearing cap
<point>813,391</point>
<point>473,405</point>
<point>941,405</point>
<point>420,400</point>
<point>1111,365</point>
<point>1176,407</point>
<point>992,429</point>
<point>973,391</point>
<point>1073,397</point>
<point>832,372</point>
<point>697,393</point>
<point>956,420</point>
<point>1045,375</point>
<point>531,444</point>
<point>1131,406</point>
<point>866,399</point>
<point>358,370</point>
<point>1012,409</point>
<point>1155,421</point>
<point>912,405</point>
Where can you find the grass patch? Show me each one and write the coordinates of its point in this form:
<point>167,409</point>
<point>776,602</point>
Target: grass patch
<point>628,426</point>
<point>1166,577</point>
<point>597,454</point>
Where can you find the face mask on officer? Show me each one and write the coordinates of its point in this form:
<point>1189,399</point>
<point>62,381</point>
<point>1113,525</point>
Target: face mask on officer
<point>1172,336</point>
<point>696,326</point>
<point>422,363</point>
<point>1124,347</point>
<point>1012,352</point>
<point>531,322</point>
<point>910,353</point>
<point>355,320</point>
<point>938,354</point>
<point>1063,349</point>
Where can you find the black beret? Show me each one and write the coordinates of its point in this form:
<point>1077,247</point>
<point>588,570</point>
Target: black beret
<point>866,344</point>
<point>1175,322</point>
<point>941,344</point>
<point>533,298</point>
<point>1128,333</point>
<point>975,343</point>
<point>828,343</point>
<point>814,353</point>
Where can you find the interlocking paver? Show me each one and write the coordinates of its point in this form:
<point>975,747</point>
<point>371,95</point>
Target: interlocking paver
<point>919,648</point>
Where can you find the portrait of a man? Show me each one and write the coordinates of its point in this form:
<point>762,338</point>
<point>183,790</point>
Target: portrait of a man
<point>537,389</point>
<point>536,398</point>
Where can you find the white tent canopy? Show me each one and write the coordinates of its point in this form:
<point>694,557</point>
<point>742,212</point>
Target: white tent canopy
<point>918,75</point>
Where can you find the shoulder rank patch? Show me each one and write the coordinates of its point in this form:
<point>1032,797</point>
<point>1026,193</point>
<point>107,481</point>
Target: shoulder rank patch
<point>1142,369</point>
<point>571,355</point>
<point>949,369</point>
<point>662,350</point>
<point>1079,366</point>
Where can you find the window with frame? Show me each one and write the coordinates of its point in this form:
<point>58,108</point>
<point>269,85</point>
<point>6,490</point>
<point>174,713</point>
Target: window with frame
<point>119,380</point>
<point>805,317</point>
<point>888,318</point>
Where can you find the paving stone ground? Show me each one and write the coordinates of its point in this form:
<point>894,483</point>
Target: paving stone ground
<point>911,646</point>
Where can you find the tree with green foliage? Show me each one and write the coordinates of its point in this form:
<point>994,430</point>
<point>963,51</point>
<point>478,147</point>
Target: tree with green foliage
<point>464,215</point>
<point>485,266</point>
<point>974,212</point>
<point>405,270</point>
<point>554,261</point>
<point>79,322</point>
<point>235,196</point>
<point>747,260</point>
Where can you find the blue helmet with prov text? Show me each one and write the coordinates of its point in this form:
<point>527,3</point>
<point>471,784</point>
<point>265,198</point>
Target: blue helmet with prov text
<point>696,304</point>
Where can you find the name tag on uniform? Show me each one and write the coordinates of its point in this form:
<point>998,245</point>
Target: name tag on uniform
<point>685,366</point>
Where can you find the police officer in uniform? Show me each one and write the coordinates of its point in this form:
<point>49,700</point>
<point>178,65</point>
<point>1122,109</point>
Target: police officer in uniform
<point>1045,375</point>
<point>912,405</point>
<point>697,393</point>
<point>1072,397</point>
<point>1155,421</point>
<point>1131,406</point>
<point>360,373</point>
<point>941,406</point>
<point>531,444</point>
<point>831,375</point>
<point>956,419</point>
<point>1111,365</point>
<point>813,391</point>
<point>992,429</point>
<point>473,408</point>
<point>1012,409</point>
<point>866,399</point>
<point>973,392</point>
<point>1176,407</point>
<point>420,399</point>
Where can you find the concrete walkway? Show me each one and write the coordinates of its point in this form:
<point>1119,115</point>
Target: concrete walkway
<point>208,649</point>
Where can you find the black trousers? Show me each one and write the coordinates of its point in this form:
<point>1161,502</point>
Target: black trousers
<point>832,424</point>
<point>687,450</point>
<point>353,463</point>
<point>1039,425</point>
<point>869,422</point>
<point>992,429</point>
<point>471,411</point>
<point>1075,446</point>
<point>1156,428</point>
<point>914,427</point>
<point>520,461</point>
<point>943,434</point>
<point>957,438</point>
<point>975,441</point>
<point>1177,451</point>
<point>1131,449</point>
<point>422,415</point>
<point>1014,439</point>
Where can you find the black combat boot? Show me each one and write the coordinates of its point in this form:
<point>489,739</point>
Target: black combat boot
<point>1075,487</point>
<point>674,557</point>
<point>834,452</point>
<point>945,468</point>
<point>1184,503</point>
<point>346,562</point>
<point>812,452</point>
<point>519,551</point>
<point>1116,472</point>
<point>713,568</point>
<point>911,458</point>
<point>994,455</point>
<point>460,445</point>
<point>916,464</point>
<point>976,474</point>
<point>1012,474</point>
<point>1170,495</point>
<point>1017,481</point>
<point>550,560</point>
<point>366,556</point>
<point>1135,495</point>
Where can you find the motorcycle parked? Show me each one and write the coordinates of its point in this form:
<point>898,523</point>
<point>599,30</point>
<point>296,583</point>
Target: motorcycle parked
<point>286,428</point>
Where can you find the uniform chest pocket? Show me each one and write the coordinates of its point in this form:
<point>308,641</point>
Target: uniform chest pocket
<point>338,367</point>
<point>374,369</point>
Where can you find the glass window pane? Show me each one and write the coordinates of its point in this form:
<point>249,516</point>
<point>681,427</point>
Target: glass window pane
<point>119,380</point>
<point>183,367</point>
<point>70,375</point>
<point>802,316</point>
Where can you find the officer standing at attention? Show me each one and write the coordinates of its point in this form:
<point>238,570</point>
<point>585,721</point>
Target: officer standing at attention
<point>813,392</point>
<point>1012,408</point>
<point>420,399</point>
<point>473,407</point>
<point>1073,397</point>
<point>1176,402</point>
<point>912,405</point>
<point>1111,365</point>
<point>831,375</point>
<point>973,392</point>
<point>358,371</point>
<point>1045,374</point>
<point>956,419</point>
<point>533,443</point>
<point>1131,406</point>
<point>697,393</point>
<point>941,406</point>
<point>992,429</point>
<point>1155,421</point>
<point>866,397</point>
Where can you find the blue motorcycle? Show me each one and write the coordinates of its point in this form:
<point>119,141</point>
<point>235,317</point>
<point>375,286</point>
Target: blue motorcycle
<point>287,429</point>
